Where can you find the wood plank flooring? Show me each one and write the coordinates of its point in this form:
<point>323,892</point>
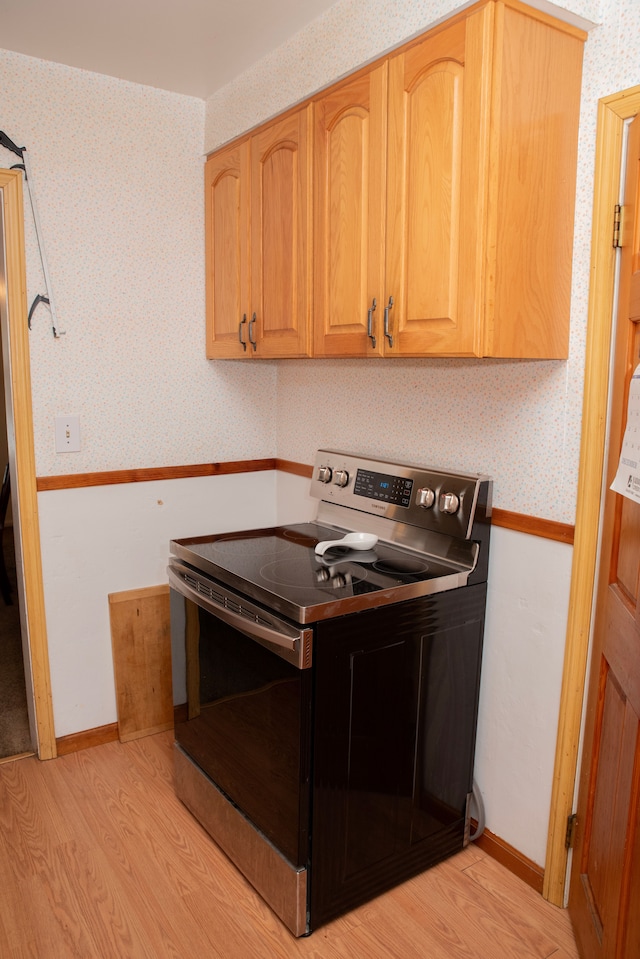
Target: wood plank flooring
<point>99,860</point>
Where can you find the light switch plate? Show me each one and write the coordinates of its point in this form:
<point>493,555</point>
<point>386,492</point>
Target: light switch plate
<point>67,434</point>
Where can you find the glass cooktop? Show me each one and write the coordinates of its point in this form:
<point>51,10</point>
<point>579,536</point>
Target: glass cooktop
<point>279,568</point>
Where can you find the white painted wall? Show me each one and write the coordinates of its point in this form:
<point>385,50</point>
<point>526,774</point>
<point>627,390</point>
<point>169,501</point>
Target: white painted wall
<point>105,539</point>
<point>527,604</point>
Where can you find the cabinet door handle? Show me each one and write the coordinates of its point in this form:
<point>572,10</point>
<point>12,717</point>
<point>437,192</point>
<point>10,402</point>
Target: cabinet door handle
<point>251,338</point>
<point>240,325</point>
<point>388,307</point>
<point>370,313</point>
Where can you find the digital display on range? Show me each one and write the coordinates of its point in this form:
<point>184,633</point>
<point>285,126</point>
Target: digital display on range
<point>383,487</point>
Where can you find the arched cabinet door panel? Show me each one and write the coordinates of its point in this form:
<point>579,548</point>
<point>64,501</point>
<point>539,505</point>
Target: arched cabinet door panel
<point>437,127</point>
<point>349,213</point>
<point>258,243</point>
<point>227,249</point>
<point>280,237</point>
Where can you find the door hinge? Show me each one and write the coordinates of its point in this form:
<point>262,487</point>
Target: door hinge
<point>617,226</point>
<point>572,823</point>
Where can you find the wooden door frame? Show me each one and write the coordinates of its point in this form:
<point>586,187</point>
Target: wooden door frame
<point>25,494</point>
<point>613,112</point>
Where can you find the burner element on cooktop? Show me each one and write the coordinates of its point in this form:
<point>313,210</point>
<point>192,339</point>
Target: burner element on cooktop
<point>402,566</point>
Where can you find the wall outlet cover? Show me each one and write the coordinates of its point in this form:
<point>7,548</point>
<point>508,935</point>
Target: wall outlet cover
<point>67,434</point>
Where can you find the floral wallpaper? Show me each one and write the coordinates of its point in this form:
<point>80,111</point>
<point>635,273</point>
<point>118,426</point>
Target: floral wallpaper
<point>117,172</point>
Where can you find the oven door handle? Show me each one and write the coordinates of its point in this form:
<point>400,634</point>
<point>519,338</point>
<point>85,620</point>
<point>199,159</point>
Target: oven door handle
<point>283,639</point>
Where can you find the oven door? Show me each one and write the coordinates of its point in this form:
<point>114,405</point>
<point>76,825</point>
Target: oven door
<point>247,721</point>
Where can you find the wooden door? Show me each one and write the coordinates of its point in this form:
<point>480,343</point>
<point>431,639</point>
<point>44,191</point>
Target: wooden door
<point>605,879</point>
<point>227,252</point>
<point>349,204</point>
<point>280,237</point>
<point>437,147</point>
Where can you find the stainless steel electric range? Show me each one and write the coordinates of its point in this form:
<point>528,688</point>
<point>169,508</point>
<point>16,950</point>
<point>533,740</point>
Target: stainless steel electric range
<point>330,674</point>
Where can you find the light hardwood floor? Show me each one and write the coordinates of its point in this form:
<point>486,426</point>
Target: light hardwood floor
<point>99,860</point>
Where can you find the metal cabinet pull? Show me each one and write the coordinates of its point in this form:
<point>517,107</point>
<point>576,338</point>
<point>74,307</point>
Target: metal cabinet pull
<point>370,313</point>
<point>240,325</point>
<point>251,337</point>
<point>388,307</point>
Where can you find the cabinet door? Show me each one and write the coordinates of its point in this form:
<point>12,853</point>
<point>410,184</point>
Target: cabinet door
<point>227,251</point>
<point>532,179</point>
<point>396,701</point>
<point>280,237</point>
<point>349,202</point>
<point>439,93</point>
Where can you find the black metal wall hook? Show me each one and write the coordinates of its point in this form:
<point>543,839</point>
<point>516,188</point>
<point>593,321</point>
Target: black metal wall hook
<point>47,298</point>
<point>5,141</point>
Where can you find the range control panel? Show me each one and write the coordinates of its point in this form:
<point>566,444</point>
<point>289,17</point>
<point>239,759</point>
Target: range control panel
<point>428,498</point>
<point>383,487</point>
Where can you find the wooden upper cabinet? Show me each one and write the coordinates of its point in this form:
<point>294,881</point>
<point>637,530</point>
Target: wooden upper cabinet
<point>227,249</point>
<point>350,146</point>
<point>451,201</point>
<point>438,115</point>
<point>441,214</point>
<point>281,236</point>
<point>532,171</point>
<point>396,202</point>
<point>258,244</point>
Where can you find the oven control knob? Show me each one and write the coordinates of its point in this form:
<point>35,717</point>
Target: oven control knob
<point>426,498</point>
<point>449,502</point>
<point>341,478</point>
<point>324,474</point>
